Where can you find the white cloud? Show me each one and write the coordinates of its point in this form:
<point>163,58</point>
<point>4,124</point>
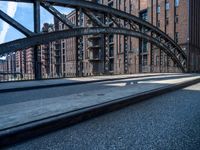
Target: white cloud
<point>3,58</point>
<point>24,6</point>
<point>11,10</point>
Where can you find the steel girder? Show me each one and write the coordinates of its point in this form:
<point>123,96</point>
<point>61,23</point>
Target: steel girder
<point>57,14</point>
<point>15,24</point>
<point>79,44</point>
<point>36,15</point>
<point>52,36</point>
<point>136,24</point>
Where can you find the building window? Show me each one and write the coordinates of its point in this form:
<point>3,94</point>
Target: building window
<point>144,60</point>
<point>63,45</point>
<point>158,23</point>
<point>176,19</point>
<point>167,6</point>
<point>167,21</point>
<point>176,37</point>
<point>176,3</point>
<point>63,26</point>
<point>144,15</point>
<point>158,9</point>
<point>157,60</point>
<point>144,46</point>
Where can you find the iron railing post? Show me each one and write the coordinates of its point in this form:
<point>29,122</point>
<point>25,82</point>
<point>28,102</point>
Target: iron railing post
<point>37,70</point>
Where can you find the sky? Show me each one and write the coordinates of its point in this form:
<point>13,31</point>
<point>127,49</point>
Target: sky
<point>23,13</point>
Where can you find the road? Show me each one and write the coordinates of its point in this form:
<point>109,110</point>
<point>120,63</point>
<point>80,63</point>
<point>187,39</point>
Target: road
<point>170,121</point>
<point>29,95</point>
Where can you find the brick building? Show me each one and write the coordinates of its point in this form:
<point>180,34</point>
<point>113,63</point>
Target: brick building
<point>180,20</point>
<point>118,54</point>
<point>3,68</point>
<point>102,54</point>
<point>24,64</point>
<point>68,50</point>
<point>50,54</point>
<point>46,53</point>
<point>3,65</point>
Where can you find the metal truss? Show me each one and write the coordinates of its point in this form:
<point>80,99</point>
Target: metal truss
<point>117,22</point>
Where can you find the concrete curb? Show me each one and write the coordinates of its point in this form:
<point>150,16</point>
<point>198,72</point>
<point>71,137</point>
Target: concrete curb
<point>34,129</point>
<point>67,84</point>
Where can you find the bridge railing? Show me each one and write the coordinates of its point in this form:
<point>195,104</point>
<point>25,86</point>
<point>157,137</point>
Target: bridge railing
<point>12,71</point>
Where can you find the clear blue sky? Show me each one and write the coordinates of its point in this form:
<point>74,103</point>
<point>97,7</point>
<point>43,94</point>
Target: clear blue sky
<point>23,13</point>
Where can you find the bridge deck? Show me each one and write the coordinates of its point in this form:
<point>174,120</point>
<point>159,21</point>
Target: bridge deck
<point>35,112</point>
<point>25,85</point>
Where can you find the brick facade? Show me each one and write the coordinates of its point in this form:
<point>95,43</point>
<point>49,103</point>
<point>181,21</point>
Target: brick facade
<point>131,55</point>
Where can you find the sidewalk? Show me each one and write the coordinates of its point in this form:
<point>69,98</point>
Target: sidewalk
<point>27,119</point>
<point>36,84</point>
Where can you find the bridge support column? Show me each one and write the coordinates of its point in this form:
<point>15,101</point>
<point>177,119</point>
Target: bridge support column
<point>151,58</point>
<point>37,67</point>
<point>79,44</point>
<point>125,54</point>
<point>106,54</point>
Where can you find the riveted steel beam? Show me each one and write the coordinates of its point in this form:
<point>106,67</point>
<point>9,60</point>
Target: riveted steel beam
<point>79,43</point>
<point>133,26</point>
<point>115,20</point>
<point>93,18</point>
<point>106,53</point>
<point>57,14</point>
<point>15,24</point>
<point>37,65</point>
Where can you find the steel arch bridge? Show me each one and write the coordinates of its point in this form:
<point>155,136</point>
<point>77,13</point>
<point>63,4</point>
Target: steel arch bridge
<point>131,26</point>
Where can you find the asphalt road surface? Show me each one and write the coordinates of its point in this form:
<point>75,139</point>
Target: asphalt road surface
<point>29,95</point>
<point>167,122</point>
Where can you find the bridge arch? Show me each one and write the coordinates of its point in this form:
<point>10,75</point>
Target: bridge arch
<point>138,28</point>
<point>52,36</point>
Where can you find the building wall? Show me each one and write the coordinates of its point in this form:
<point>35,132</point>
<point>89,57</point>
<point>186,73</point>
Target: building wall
<point>68,50</point>
<point>24,63</point>
<point>174,20</point>
<point>50,54</point>
<point>2,66</point>
<point>194,35</point>
<point>45,52</point>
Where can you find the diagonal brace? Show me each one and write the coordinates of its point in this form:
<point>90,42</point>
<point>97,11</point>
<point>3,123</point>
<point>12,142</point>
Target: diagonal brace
<point>15,24</point>
<point>58,15</point>
<point>115,21</point>
<point>133,26</point>
<point>94,18</point>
